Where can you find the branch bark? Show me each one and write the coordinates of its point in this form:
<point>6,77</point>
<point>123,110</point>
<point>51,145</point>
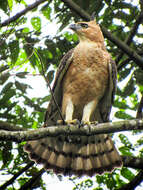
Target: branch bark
<point>23,12</point>
<point>133,162</point>
<point>124,47</point>
<point>140,109</point>
<point>10,127</point>
<point>52,131</point>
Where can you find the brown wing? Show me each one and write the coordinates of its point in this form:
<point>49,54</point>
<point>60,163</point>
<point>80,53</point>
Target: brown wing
<point>52,114</point>
<point>107,101</point>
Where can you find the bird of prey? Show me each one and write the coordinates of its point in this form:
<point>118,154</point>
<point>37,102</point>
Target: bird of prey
<point>84,89</point>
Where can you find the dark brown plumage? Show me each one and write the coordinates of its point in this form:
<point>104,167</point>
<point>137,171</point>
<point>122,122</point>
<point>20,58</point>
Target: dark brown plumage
<point>84,89</point>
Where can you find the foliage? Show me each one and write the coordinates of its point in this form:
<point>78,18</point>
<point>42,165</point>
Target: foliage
<point>28,47</point>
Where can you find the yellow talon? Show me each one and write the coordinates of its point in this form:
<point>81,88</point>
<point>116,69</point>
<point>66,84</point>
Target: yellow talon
<point>60,122</point>
<point>72,122</point>
<point>68,122</point>
<point>89,122</point>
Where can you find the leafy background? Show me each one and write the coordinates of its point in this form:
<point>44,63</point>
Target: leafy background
<point>31,47</point>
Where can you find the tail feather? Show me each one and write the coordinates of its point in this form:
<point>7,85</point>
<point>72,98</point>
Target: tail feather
<point>88,164</point>
<point>112,154</point>
<point>96,162</point>
<point>53,158</point>
<point>75,155</point>
<point>78,164</point>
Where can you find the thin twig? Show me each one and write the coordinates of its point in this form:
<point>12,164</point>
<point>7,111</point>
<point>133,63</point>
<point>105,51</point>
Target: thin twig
<point>123,64</point>
<point>131,35</point>
<point>27,58</point>
<point>11,180</point>
<point>51,91</point>
<point>133,183</point>
<point>33,180</point>
<point>24,11</point>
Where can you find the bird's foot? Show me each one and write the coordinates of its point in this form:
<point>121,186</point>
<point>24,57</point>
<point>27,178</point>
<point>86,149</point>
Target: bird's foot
<point>72,122</point>
<point>68,122</point>
<point>89,123</point>
<point>60,122</point>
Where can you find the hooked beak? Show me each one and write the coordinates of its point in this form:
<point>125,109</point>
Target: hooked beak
<point>75,27</point>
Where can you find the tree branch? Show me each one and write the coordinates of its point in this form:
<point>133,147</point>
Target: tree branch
<point>53,131</point>
<point>133,162</point>
<point>33,180</point>
<point>123,63</point>
<point>77,9</point>
<point>11,180</point>
<point>140,109</point>
<point>134,183</point>
<point>10,127</point>
<point>124,47</point>
<point>24,11</point>
<point>132,34</point>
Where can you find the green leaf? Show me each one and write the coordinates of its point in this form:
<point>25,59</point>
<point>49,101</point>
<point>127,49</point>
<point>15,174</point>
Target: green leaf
<point>124,73</point>
<point>20,86</point>
<point>22,59</point>
<point>119,181</point>
<point>50,76</point>
<point>129,88</point>
<point>6,153</point>
<point>99,179</point>
<point>10,93</point>
<point>26,30</point>
<point>21,74</point>
<point>31,56</point>
<point>125,151</point>
<point>14,50</point>
<point>4,5</point>
<point>123,115</point>
<point>46,12</point>
<point>140,141</point>
<point>139,76</point>
<point>121,104</point>
<point>21,1</point>
<point>10,3</point>
<point>126,173</point>
<point>3,68</point>
<point>35,125</point>
<point>110,181</point>
<point>125,140</point>
<point>6,88</point>
<point>88,183</point>
<point>4,77</point>
<point>36,23</point>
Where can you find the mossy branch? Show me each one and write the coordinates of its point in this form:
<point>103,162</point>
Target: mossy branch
<point>52,131</point>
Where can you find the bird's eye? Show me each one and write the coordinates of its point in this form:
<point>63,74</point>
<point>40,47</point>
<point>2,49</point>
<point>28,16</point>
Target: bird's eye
<point>84,25</point>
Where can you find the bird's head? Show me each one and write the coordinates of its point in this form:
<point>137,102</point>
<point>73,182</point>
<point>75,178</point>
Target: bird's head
<point>88,31</point>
